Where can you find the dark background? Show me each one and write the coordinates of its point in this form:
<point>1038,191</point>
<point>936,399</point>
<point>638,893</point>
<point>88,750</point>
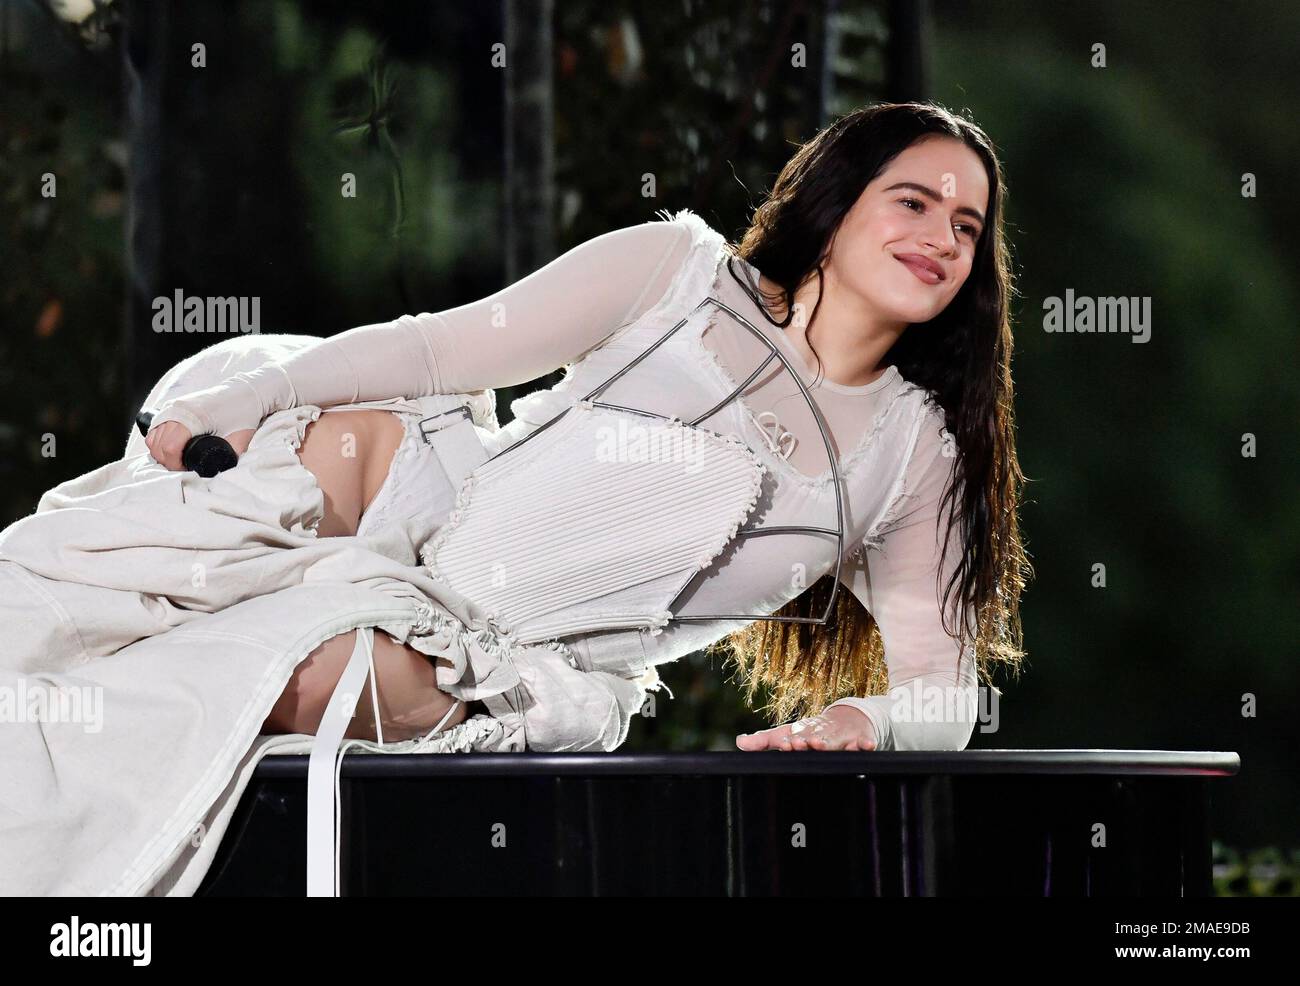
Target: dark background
<point>1124,181</point>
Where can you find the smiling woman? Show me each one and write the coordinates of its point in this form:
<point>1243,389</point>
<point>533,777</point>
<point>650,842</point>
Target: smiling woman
<point>882,248</point>
<point>876,267</point>
<point>861,306</point>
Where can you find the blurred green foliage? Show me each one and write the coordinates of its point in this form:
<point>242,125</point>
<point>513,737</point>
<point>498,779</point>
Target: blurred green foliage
<point>62,160</point>
<point>1267,872</point>
<point>1127,181</point>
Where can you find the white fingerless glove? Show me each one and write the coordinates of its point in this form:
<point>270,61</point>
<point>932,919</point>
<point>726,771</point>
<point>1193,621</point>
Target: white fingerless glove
<point>220,410</point>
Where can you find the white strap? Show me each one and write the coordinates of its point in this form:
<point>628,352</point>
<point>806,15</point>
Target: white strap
<point>324,806</point>
<point>322,858</point>
<point>441,721</point>
<point>374,695</point>
<point>459,449</point>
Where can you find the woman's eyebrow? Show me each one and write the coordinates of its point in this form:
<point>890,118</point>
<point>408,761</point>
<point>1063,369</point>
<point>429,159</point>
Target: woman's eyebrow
<point>935,196</point>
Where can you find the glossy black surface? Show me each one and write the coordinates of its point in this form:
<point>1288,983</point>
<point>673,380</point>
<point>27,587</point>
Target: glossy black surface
<point>982,822</point>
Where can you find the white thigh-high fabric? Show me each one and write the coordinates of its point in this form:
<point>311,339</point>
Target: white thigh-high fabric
<point>151,620</point>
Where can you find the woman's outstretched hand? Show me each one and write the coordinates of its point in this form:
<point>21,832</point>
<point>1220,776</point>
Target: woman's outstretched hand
<point>840,728</point>
<point>168,441</point>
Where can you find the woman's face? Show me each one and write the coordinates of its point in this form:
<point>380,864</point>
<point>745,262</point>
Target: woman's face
<point>928,204</point>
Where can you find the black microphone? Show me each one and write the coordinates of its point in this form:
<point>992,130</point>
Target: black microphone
<point>206,455</point>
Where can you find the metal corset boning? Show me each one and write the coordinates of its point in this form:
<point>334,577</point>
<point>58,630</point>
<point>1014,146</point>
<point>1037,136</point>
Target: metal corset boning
<point>773,353</point>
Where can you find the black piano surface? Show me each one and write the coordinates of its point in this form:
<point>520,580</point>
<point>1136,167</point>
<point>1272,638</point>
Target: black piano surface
<point>968,823</point>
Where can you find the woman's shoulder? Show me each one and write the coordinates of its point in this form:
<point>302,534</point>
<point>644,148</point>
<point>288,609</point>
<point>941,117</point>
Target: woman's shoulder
<point>697,260</point>
<point>689,223</point>
<point>692,246</point>
<point>671,233</point>
<point>667,256</point>
<point>668,263</point>
<point>931,440</point>
<point>922,403</point>
<point>908,435</point>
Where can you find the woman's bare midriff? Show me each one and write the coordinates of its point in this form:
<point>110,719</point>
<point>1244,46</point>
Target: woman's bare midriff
<point>350,453</point>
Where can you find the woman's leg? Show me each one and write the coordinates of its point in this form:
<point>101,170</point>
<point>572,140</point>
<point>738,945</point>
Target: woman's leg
<point>410,701</point>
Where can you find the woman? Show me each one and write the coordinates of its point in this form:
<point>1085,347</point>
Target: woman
<point>877,266</point>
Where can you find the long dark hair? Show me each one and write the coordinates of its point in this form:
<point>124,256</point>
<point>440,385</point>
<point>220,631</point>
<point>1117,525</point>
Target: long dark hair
<point>962,357</point>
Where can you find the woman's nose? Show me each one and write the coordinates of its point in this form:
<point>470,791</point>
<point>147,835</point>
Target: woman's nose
<point>945,240</point>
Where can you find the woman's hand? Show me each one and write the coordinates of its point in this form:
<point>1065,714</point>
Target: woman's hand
<point>168,441</point>
<point>840,728</point>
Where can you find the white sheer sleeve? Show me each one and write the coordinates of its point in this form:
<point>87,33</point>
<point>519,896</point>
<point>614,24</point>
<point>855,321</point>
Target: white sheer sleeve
<point>536,325</point>
<point>931,702</point>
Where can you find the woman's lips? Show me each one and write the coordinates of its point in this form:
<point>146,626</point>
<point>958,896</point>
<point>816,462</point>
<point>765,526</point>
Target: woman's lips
<point>920,270</point>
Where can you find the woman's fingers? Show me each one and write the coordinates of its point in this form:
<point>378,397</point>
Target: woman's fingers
<point>800,741</point>
<point>817,732</point>
<point>166,442</point>
<point>776,738</point>
<point>781,738</point>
